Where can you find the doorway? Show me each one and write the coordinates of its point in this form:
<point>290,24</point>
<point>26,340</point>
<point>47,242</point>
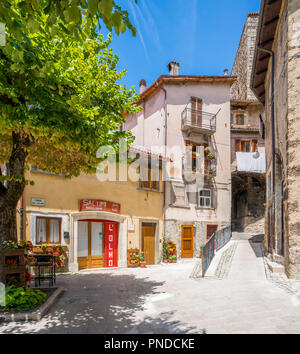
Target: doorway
<point>148,242</point>
<point>210,230</point>
<point>187,241</point>
<point>90,244</point>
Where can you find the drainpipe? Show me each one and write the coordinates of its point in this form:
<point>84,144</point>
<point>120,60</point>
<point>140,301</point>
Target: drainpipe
<point>272,126</point>
<point>21,216</point>
<point>166,140</point>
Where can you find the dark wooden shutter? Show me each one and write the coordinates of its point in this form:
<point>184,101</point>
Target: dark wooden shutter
<point>238,145</point>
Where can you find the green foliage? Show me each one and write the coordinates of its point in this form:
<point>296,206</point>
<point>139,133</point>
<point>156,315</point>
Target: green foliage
<point>165,248</point>
<point>58,88</point>
<point>142,257</point>
<point>23,299</point>
<point>63,16</point>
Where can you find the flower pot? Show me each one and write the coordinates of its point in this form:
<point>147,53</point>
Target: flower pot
<point>143,264</point>
<point>174,261</point>
<point>165,261</point>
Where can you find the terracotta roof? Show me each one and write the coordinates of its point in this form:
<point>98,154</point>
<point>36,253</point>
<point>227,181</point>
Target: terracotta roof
<point>268,20</point>
<point>235,103</point>
<point>166,79</point>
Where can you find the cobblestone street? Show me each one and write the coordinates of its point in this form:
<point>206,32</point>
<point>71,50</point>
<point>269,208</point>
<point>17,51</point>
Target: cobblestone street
<point>240,298</point>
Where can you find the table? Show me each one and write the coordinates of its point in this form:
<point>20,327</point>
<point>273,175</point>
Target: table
<point>44,261</point>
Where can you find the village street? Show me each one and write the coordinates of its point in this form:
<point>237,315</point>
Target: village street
<point>164,299</point>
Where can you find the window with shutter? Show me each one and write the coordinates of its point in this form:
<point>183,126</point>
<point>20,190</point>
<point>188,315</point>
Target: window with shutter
<point>149,179</point>
<point>48,230</point>
<point>196,111</point>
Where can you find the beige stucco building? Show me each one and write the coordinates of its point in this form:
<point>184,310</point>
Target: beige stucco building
<point>276,83</point>
<point>97,221</point>
<point>182,117</point>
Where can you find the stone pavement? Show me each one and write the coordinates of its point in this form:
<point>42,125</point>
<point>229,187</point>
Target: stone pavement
<point>164,299</point>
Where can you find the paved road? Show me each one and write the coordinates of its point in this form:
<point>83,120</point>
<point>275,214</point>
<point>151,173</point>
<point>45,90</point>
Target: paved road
<point>163,299</point>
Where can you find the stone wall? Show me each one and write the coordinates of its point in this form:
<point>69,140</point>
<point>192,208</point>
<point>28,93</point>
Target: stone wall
<point>287,135</point>
<point>293,143</point>
<point>242,67</point>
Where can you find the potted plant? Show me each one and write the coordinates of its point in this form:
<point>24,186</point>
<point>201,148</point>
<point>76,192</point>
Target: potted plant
<point>170,258</point>
<point>174,259</point>
<point>165,250</point>
<point>142,260</point>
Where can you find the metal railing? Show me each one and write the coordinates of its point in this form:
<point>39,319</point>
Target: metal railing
<point>189,164</point>
<point>223,237</point>
<point>208,253</point>
<point>198,119</point>
<point>215,243</point>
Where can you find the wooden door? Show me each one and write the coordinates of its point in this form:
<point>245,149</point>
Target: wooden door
<point>148,242</point>
<point>211,229</point>
<point>196,107</point>
<point>187,241</point>
<point>90,245</point>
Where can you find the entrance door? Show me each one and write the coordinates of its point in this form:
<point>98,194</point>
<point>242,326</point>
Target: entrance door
<point>90,244</point>
<point>187,241</point>
<point>211,229</point>
<point>148,242</point>
<point>196,107</point>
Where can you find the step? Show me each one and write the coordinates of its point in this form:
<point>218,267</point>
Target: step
<point>275,267</point>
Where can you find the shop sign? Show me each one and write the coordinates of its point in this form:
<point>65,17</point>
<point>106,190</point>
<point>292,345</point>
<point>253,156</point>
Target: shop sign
<point>38,202</point>
<point>99,205</point>
<point>130,225</point>
<point>111,244</point>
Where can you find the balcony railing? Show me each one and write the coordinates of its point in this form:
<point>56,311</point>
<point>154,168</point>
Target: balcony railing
<point>198,121</point>
<point>190,166</point>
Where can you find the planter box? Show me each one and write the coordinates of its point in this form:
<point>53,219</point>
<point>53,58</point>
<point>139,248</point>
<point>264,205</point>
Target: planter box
<point>133,254</point>
<point>19,271</point>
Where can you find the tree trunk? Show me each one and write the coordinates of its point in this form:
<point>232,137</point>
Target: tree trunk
<point>10,194</point>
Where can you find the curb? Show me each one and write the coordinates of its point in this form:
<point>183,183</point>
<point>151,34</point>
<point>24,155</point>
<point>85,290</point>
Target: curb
<point>37,314</point>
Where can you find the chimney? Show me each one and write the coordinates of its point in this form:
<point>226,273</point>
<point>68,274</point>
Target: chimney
<point>143,86</point>
<point>225,72</point>
<point>173,68</point>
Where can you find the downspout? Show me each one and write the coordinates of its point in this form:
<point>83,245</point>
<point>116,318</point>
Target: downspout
<point>164,175</point>
<point>272,126</point>
<point>21,216</point>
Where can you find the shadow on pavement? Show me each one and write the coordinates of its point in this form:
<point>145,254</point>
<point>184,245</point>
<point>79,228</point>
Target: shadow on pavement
<point>102,303</point>
<point>256,243</point>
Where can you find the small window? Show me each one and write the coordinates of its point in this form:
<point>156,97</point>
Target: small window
<point>149,179</point>
<point>204,198</point>
<point>48,230</point>
<point>240,119</point>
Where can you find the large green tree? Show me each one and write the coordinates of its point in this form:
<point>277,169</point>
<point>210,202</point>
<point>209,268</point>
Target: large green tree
<point>60,99</point>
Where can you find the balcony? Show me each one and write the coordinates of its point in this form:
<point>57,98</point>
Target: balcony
<point>194,121</point>
<point>208,169</point>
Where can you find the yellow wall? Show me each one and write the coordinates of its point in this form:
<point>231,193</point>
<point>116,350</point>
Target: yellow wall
<point>62,196</point>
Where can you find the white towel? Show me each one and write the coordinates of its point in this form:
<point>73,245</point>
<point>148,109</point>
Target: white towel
<point>251,162</point>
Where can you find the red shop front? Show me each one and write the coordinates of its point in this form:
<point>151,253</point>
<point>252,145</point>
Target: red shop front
<point>97,239</point>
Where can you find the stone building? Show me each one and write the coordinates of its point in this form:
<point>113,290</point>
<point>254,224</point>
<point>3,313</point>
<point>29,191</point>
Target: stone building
<point>247,139</point>
<point>276,83</point>
<point>181,117</point>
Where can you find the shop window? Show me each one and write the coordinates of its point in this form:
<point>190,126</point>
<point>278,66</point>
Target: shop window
<point>205,198</point>
<point>48,230</point>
